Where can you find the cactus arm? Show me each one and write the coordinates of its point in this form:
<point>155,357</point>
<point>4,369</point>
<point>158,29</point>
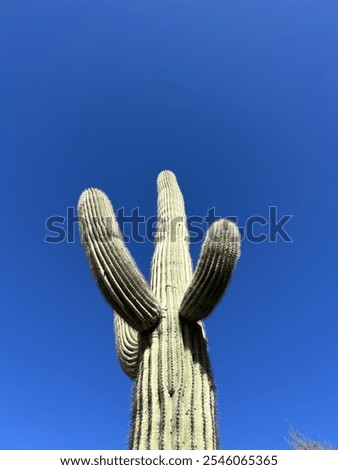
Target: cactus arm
<point>219,254</point>
<point>111,263</point>
<point>127,346</point>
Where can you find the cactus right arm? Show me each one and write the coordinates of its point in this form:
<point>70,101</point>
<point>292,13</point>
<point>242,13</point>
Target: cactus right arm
<point>115,271</point>
<point>219,255</point>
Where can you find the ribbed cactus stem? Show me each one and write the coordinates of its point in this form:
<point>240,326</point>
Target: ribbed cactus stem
<point>160,337</point>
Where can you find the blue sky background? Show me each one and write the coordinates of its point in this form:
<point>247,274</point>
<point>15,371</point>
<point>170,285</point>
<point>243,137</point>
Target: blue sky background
<point>239,98</point>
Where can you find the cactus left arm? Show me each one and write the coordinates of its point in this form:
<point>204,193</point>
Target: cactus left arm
<point>115,271</point>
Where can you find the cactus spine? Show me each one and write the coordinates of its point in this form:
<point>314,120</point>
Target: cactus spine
<point>159,334</point>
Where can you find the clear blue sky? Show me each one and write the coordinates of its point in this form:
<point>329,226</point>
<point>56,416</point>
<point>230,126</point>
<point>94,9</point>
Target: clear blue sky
<point>238,98</point>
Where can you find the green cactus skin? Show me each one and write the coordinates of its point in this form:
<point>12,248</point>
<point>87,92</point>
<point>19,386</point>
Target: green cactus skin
<point>159,334</point>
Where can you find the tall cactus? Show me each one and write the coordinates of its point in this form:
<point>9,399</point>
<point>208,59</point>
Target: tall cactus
<point>160,338</point>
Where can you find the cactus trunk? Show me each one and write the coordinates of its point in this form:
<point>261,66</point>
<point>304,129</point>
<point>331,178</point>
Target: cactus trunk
<point>159,333</point>
<point>174,404</point>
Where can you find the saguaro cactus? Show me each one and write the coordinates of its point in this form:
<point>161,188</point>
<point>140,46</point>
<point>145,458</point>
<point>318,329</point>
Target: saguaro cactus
<point>160,338</point>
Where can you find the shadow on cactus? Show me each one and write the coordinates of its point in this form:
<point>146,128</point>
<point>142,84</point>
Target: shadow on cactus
<point>160,338</point>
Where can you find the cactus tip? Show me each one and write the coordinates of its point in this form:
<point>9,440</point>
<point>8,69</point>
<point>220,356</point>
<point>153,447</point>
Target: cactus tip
<point>165,177</point>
